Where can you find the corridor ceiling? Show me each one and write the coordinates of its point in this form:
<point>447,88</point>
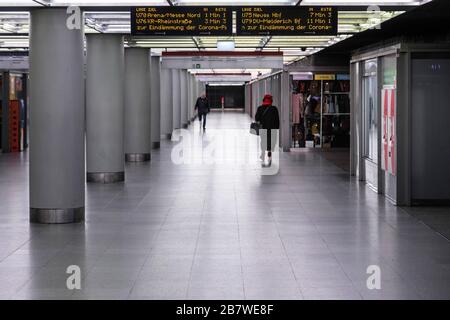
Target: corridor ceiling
<point>112,16</point>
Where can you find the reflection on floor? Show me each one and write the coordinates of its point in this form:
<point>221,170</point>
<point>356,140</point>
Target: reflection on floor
<point>340,157</point>
<point>219,231</point>
<point>437,218</point>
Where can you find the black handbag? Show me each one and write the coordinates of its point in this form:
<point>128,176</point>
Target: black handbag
<point>256,126</point>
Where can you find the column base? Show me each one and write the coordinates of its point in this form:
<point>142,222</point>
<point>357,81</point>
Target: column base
<point>137,157</point>
<point>156,145</point>
<point>105,177</point>
<point>55,216</point>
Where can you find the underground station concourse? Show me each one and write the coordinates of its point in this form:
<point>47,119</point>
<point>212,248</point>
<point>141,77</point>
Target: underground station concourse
<point>109,173</point>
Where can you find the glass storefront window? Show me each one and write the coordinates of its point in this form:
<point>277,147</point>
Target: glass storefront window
<point>389,70</point>
<point>370,111</point>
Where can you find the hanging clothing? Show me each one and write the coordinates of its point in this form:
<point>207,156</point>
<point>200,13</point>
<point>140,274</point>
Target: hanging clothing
<point>326,105</point>
<point>301,102</point>
<point>312,105</point>
<point>331,105</point>
<point>296,108</point>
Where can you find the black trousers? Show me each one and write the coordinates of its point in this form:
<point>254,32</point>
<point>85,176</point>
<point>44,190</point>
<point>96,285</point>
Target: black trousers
<point>200,116</point>
<point>268,139</point>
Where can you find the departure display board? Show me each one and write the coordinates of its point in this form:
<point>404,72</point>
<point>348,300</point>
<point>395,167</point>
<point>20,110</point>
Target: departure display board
<point>181,21</point>
<point>286,20</point>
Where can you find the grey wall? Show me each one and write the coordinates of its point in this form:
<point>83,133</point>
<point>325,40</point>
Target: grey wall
<point>430,135</point>
<point>255,98</point>
<point>247,98</point>
<point>285,110</point>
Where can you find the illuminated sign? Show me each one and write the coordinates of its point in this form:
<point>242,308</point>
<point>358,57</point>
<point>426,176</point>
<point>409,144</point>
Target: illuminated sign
<point>286,20</point>
<point>181,21</point>
<point>324,77</point>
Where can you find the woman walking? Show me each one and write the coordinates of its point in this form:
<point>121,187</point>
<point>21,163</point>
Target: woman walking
<point>267,115</point>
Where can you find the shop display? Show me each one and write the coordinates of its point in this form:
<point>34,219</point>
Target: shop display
<point>321,112</point>
<point>297,107</point>
<point>14,125</point>
<point>16,121</point>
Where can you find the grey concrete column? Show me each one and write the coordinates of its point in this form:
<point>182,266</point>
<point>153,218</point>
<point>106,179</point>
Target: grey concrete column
<point>155,96</point>
<point>201,88</point>
<point>105,99</point>
<point>137,105</point>
<point>194,95</point>
<point>57,171</point>
<point>184,99</point>
<point>189,97</point>
<point>195,92</point>
<point>176,99</point>
<point>166,103</point>
<point>285,107</point>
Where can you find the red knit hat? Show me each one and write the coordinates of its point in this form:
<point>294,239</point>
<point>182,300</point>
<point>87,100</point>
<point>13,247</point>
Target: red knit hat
<point>267,100</point>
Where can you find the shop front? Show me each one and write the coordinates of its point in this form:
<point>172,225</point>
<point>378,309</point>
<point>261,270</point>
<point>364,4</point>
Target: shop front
<point>398,138</point>
<point>320,109</point>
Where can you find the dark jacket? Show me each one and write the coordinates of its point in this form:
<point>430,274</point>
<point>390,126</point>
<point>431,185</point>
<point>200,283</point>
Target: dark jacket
<point>202,105</point>
<point>270,119</point>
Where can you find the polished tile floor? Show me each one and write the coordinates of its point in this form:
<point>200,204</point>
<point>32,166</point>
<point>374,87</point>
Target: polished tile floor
<point>221,231</point>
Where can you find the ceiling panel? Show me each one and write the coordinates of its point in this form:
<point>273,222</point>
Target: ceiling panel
<point>24,3</point>
<point>14,26</point>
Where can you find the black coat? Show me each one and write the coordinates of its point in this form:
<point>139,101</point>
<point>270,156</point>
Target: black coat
<point>202,105</point>
<point>270,119</point>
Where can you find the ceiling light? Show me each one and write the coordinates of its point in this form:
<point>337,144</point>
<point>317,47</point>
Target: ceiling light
<point>225,45</point>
